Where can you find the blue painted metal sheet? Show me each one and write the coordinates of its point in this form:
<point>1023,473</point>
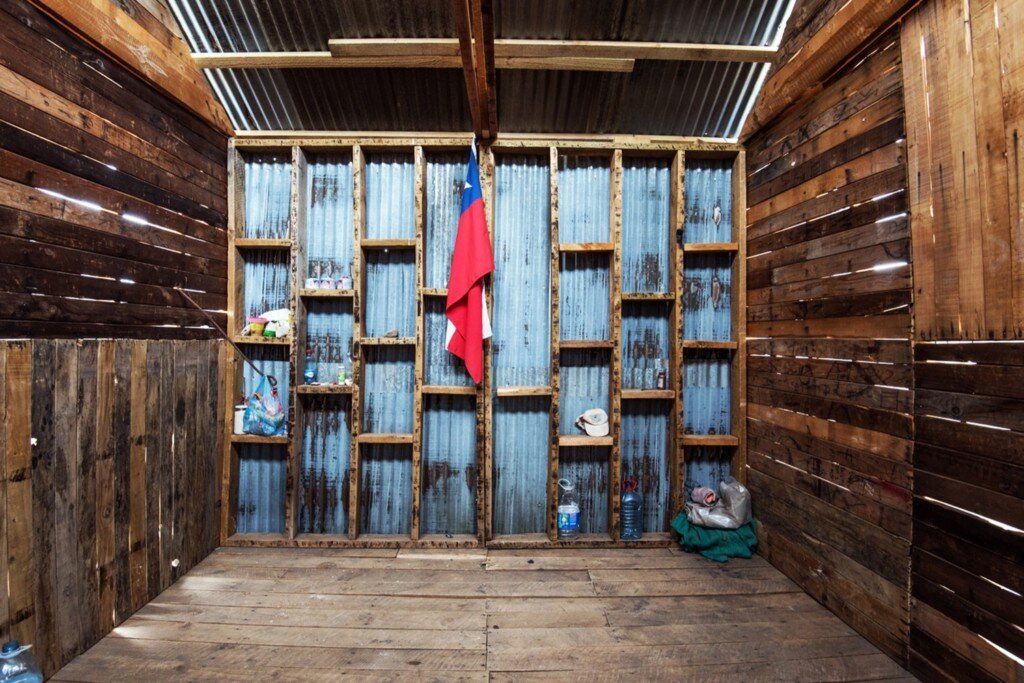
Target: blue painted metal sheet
<point>385,489</point>
<point>707,393</point>
<point>706,467</point>
<point>708,201</point>
<point>441,367</point>
<point>449,466</point>
<point>266,281</point>
<point>262,471</point>
<point>707,297</point>
<point>584,199</point>
<point>329,231</point>
<point>520,454</point>
<point>271,360</point>
<point>329,336</point>
<point>390,292</point>
<point>268,191</point>
<point>390,196</point>
<point>645,454</point>
<point>583,384</point>
<point>646,238</point>
<point>645,343</point>
<point>522,278</point>
<point>323,475</point>
<point>587,469</point>
<point>584,283</point>
<point>446,176</point>
<point>390,379</point>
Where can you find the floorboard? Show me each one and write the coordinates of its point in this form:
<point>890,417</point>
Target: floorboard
<point>500,615</point>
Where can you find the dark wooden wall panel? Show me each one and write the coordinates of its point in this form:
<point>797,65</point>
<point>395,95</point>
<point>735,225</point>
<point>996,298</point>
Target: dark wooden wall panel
<point>111,194</point>
<point>109,470</point>
<point>829,366</point>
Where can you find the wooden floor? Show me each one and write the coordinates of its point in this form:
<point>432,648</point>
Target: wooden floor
<point>247,614</point>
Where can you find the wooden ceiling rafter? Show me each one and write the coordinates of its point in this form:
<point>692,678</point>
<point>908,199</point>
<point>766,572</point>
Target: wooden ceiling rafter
<point>483,58</point>
<point>465,31</point>
<point>325,60</point>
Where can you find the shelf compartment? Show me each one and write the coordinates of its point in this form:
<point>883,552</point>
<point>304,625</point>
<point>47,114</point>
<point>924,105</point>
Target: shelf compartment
<point>707,393</point>
<point>438,390</point>
<point>588,469</point>
<point>394,243</point>
<point>266,283</point>
<point>329,231</point>
<point>259,439</point>
<point>647,239</point>
<point>271,359</point>
<point>586,247</point>
<point>328,328</point>
<point>446,178</point>
<point>520,454</point>
<point>721,440</point>
<point>267,179</point>
<point>390,293</point>
<point>388,389</point>
<point>584,297</point>
<point>441,368</point>
<point>518,392</point>
<point>323,477</point>
<point>390,195</point>
<point>706,466</point>
<point>711,247</point>
<point>648,395</point>
<point>583,440</point>
<point>709,210</point>
<point>584,383</point>
<point>707,296</point>
<point>257,243</point>
<point>307,293</point>
<point>262,473</point>
<point>323,389</point>
<point>448,499</point>
<point>646,339</point>
<point>584,199</point>
<point>385,489</point>
<point>382,439</point>
<point>645,440</point>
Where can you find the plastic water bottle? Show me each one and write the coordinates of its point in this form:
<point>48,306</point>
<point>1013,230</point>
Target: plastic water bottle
<point>568,512</point>
<point>309,374</point>
<point>631,511</point>
<point>18,664</point>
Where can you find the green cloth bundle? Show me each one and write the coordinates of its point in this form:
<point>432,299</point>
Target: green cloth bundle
<point>716,544</point>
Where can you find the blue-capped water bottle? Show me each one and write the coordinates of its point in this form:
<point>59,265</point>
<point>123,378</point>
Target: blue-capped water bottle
<point>568,512</point>
<point>631,511</point>
<point>18,664</point>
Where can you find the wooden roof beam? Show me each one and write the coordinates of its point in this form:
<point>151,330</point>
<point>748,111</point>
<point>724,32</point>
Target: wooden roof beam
<point>464,28</point>
<point>482,15</point>
<point>507,48</point>
<point>325,60</point>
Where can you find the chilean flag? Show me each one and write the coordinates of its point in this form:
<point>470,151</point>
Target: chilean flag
<point>468,322</point>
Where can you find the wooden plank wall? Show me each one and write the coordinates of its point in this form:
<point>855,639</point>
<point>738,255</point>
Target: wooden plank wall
<point>964,82</point>
<point>109,475</point>
<point>111,194</point>
<point>830,428</point>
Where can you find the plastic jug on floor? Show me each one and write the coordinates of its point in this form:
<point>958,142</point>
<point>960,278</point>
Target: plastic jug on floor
<point>18,664</point>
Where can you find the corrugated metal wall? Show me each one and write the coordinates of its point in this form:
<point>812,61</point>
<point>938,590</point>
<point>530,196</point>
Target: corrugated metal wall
<point>323,477</point>
<point>707,297</point>
<point>390,292</point>
<point>385,489</point>
<point>646,343</point>
<point>262,471</point>
<point>587,469</point>
<point>707,392</point>
<point>584,290</point>
<point>709,201</point>
<point>646,242</point>
<point>390,196</point>
<point>520,465</point>
<point>584,383</point>
<point>644,454</point>
<point>449,466</point>
<point>584,199</point>
<point>268,190</point>
<point>390,378</point>
<point>329,230</point>
<point>329,337</point>
<point>706,466</point>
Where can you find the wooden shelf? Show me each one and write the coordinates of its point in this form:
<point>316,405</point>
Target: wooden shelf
<point>269,341</point>
<point>655,539</point>
<point>648,395</point>
<point>257,439</point>
<point>514,392</point>
<point>449,391</point>
<point>648,296</point>
<point>393,243</point>
<point>711,247</point>
<point>585,344</point>
<point>261,243</point>
<point>326,293</point>
<point>575,441</point>
<point>707,344</point>
<point>385,438</point>
<point>323,389</point>
<point>582,247</point>
<point>710,440</point>
<point>387,341</point>
<point>435,291</point>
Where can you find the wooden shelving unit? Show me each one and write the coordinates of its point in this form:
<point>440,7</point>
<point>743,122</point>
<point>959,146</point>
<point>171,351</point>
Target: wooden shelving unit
<point>409,446</point>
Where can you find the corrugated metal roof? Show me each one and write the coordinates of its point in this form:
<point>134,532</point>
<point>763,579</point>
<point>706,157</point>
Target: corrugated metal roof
<point>659,97</point>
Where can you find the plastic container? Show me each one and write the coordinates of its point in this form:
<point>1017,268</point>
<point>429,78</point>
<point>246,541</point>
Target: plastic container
<point>568,512</point>
<point>309,373</point>
<point>18,664</point>
<point>257,325</point>
<point>239,419</point>
<point>631,511</point>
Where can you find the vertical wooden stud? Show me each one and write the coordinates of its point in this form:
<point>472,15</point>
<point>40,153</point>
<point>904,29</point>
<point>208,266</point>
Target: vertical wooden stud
<point>358,285</point>
<point>552,517</point>
<point>739,316</point>
<point>615,388</point>
<point>297,228</point>
<point>236,221</point>
<point>420,164</point>
<point>677,219</point>
<point>484,392</point>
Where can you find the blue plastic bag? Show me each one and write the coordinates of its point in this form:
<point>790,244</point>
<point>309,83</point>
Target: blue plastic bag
<point>264,415</point>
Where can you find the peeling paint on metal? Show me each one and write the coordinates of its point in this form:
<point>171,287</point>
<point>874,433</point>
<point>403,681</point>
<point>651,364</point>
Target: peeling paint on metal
<point>646,239</point>
<point>329,239</point>
<point>645,342</point>
<point>708,201</point>
<point>449,466</point>
<point>323,475</point>
<point>520,465</point>
<point>261,479</point>
<point>707,297</point>
<point>385,489</point>
<point>707,393</point>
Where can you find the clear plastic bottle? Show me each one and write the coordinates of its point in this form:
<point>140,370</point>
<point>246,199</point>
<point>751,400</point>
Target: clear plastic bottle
<point>309,373</point>
<point>18,664</point>
<point>568,512</point>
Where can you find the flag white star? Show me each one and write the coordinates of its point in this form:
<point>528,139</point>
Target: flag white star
<point>467,186</point>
